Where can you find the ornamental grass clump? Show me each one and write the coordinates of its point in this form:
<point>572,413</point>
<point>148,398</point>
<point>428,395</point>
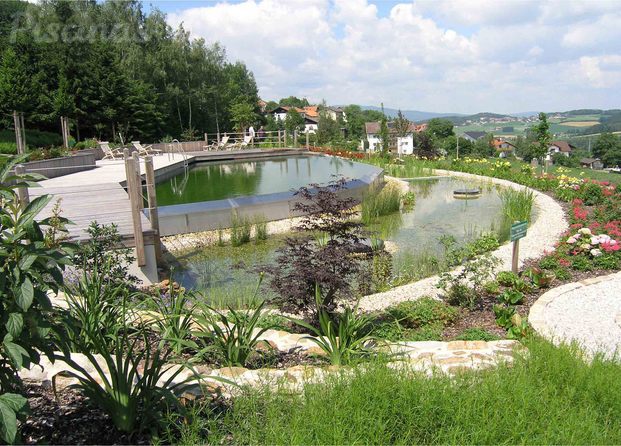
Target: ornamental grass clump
<point>343,337</point>
<point>517,205</point>
<point>378,202</point>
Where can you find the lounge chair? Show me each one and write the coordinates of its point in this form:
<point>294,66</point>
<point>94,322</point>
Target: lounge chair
<point>218,145</point>
<point>145,150</point>
<point>110,153</point>
<point>241,144</point>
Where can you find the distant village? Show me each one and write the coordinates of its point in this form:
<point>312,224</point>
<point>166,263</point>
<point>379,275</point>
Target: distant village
<point>403,141</point>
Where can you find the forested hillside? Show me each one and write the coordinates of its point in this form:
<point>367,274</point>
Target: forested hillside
<point>113,69</point>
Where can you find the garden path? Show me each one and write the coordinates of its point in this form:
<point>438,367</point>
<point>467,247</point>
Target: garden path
<point>587,312</point>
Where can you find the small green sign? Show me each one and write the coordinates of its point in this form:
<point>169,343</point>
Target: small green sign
<point>518,230</point>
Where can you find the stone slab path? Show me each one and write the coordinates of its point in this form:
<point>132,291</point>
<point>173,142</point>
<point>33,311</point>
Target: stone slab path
<point>587,312</point>
<point>420,357</point>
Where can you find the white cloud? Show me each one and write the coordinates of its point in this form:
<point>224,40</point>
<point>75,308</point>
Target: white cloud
<point>445,55</point>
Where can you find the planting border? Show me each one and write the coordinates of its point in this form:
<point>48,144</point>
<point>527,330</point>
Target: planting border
<point>542,235</point>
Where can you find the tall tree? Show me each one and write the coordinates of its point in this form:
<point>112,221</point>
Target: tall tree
<point>542,135</point>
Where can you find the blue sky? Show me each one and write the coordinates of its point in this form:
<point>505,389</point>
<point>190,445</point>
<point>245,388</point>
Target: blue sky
<point>435,55</point>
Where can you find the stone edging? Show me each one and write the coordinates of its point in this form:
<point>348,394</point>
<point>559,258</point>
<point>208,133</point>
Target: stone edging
<point>543,233</point>
<point>536,316</point>
<point>422,357</point>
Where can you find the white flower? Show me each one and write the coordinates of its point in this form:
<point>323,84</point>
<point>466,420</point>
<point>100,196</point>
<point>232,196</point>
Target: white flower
<point>585,231</point>
<point>596,252</point>
<point>595,240</point>
<point>585,246</point>
<point>571,240</point>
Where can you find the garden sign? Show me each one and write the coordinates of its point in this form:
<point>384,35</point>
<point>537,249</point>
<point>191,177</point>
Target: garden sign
<point>518,231</point>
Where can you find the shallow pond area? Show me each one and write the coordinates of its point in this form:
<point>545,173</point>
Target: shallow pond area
<point>414,233</point>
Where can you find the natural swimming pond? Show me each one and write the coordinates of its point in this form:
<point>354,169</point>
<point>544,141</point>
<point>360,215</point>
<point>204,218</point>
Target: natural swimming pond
<point>415,232</point>
<point>229,179</point>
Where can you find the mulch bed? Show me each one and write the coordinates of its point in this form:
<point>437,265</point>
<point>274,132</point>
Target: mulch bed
<point>69,420</point>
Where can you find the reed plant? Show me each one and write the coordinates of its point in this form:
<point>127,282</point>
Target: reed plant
<point>517,205</point>
<point>240,230</point>
<point>378,202</point>
<point>260,229</point>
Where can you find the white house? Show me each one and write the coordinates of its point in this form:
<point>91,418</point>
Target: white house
<point>562,147</point>
<point>405,144</point>
<point>311,125</point>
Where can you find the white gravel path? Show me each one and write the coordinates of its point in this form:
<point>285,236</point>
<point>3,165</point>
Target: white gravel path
<point>550,223</point>
<point>587,312</point>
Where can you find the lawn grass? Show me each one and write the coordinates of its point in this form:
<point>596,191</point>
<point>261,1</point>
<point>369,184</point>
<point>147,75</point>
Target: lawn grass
<point>547,397</point>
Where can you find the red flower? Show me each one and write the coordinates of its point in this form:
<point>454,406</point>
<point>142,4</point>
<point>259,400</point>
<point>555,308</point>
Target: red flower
<point>564,262</point>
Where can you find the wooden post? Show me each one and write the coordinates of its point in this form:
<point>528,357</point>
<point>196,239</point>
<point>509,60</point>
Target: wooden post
<point>19,141</point>
<point>135,198</point>
<point>279,138</point>
<point>22,127</point>
<point>295,138</point>
<point>152,203</point>
<point>307,144</point>
<point>205,138</point>
<point>285,138</point>
<point>515,257</point>
<point>218,137</point>
<point>22,192</point>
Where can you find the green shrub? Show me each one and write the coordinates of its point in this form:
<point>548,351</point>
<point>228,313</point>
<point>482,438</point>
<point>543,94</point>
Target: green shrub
<point>511,297</point>
<point>391,331</point>
<point>8,148</point>
<point>592,194</point>
<point>507,278</point>
<point>606,261</point>
<point>430,332</point>
<point>476,334</point>
<point>421,312</point>
<point>28,271</point>
<point>581,263</point>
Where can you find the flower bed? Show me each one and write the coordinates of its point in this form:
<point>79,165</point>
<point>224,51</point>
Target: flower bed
<point>342,153</point>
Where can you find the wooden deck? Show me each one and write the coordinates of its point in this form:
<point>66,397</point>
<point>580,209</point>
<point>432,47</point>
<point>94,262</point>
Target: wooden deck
<point>105,203</point>
<point>97,194</point>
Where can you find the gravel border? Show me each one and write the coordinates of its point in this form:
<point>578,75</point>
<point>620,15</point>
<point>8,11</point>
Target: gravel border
<point>587,312</point>
<point>543,233</point>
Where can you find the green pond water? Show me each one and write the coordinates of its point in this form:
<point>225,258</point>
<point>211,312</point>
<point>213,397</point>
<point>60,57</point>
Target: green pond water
<point>415,232</point>
<point>220,180</point>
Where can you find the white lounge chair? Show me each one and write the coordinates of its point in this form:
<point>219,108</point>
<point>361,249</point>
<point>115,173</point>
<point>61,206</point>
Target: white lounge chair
<point>110,153</point>
<point>219,145</point>
<point>145,150</point>
<point>241,144</point>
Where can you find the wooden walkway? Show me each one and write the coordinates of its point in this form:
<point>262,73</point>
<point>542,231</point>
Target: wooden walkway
<point>105,203</point>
